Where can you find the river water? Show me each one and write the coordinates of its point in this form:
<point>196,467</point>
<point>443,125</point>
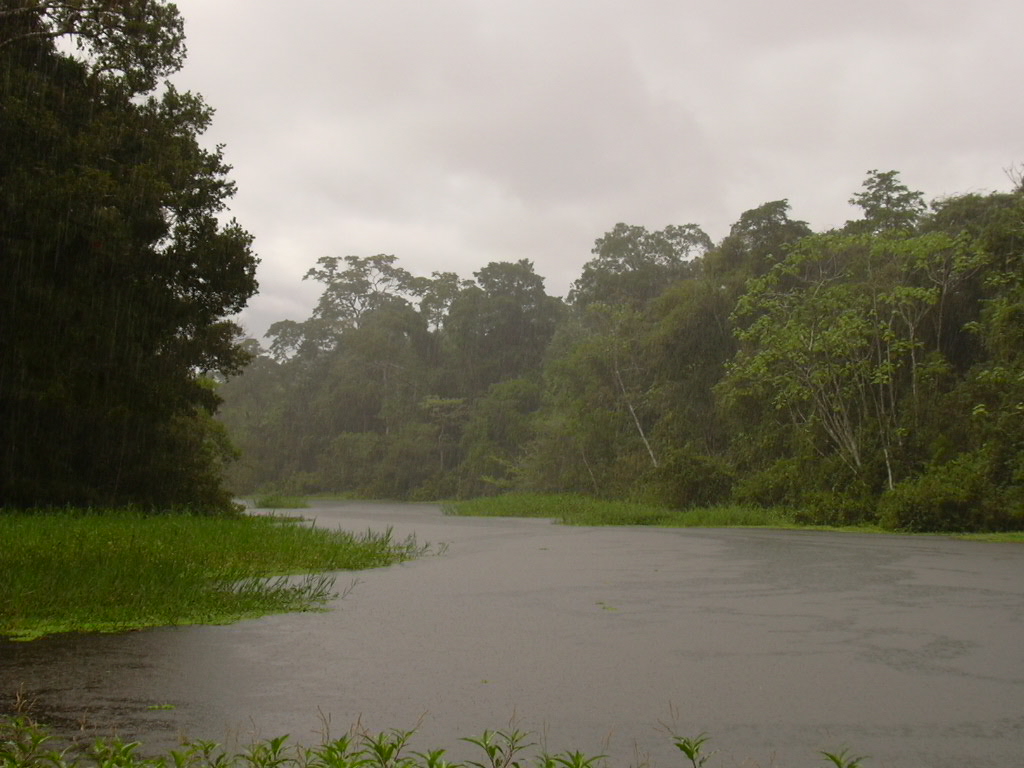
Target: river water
<point>776,643</point>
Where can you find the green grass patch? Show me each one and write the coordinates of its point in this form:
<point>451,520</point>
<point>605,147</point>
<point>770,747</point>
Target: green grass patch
<point>576,509</point>
<point>109,572</point>
<point>1013,537</point>
<point>279,501</point>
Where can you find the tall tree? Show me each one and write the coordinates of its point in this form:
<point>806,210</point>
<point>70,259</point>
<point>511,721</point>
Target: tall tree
<point>758,240</point>
<point>117,274</point>
<point>132,43</point>
<point>887,203</point>
<point>833,337</point>
<point>499,328</point>
<point>633,266</point>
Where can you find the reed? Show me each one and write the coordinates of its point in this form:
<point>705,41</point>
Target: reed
<point>113,571</point>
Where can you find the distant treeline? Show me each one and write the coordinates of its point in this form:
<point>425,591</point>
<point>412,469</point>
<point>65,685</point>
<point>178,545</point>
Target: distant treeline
<point>871,372</point>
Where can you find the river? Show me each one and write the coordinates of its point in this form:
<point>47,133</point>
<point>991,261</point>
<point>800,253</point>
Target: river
<point>776,643</point>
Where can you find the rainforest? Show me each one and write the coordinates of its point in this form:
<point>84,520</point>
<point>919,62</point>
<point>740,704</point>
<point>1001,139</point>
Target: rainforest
<point>870,374</point>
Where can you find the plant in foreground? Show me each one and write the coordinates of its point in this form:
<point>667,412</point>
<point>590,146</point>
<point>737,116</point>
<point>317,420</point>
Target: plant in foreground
<point>501,748</point>
<point>269,754</point>
<point>575,759</point>
<point>693,748</point>
<point>25,744</point>
<point>385,749</point>
<point>843,758</point>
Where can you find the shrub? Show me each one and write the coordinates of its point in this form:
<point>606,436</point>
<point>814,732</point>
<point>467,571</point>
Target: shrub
<point>686,479</point>
<point>835,508</point>
<point>779,485</point>
<point>955,496</point>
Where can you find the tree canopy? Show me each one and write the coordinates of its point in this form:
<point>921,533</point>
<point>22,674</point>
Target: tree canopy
<point>117,274</point>
<point>871,372</point>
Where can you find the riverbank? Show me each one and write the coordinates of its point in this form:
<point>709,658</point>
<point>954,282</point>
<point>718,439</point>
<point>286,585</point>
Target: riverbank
<point>112,571</point>
<point>576,509</point>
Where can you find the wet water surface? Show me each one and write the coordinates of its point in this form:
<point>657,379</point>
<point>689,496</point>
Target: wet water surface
<point>776,643</point>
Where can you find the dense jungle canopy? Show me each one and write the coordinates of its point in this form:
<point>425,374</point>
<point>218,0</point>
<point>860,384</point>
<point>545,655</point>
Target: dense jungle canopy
<point>116,274</point>
<point>874,372</point>
<point>870,373</point>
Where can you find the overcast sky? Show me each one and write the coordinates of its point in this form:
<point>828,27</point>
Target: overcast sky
<point>453,133</point>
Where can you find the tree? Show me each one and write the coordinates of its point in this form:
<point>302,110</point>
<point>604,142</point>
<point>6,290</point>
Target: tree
<point>499,328</point>
<point>887,203</point>
<point>633,266</point>
<point>498,431</point>
<point>689,343</point>
<point>366,284</point>
<point>354,287</point>
<point>133,43</point>
<point>116,276</point>
<point>992,224</point>
<point>758,240</point>
<point>833,339</point>
<point>593,431</point>
<point>436,295</point>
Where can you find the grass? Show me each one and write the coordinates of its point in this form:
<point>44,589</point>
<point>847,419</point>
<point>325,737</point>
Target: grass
<point>1008,536</point>
<point>279,501</point>
<point>24,744</point>
<point>115,571</point>
<point>575,509</point>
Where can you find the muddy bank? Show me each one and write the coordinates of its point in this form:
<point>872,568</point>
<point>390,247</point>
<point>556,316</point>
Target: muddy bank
<point>776,643</point>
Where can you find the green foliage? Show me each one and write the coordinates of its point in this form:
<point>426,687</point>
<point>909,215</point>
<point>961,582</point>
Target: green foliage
<point>693,748</point>
<point>498,430</point>
<point>730,516</point>
<point>279,501</point>
<point>499,328</point>
<point>501,748</point>
<point>408,380</point>
<point>108,572</point>
<point>25,744</point>
<point>780,484</point>
<point>778,369</point>
<point>632,266</point>
<point>834,339</point>
<point>959,495</point>
<point>576,509</point>
<point>835,509</point>
<point>573,509</point>
<point>688,479</point>
<point>139,42</point>
<point>843,758</point>
<point>117,272</point>
<point>760,238</point>
<point>385,749</point>
<point>887,203</point>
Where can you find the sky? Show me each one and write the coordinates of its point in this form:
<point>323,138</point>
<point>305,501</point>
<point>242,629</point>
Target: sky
<point>455,133</point>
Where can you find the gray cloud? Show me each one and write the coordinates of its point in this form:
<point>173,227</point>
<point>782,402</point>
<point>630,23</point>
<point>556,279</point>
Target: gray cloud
<point>458,132</point>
